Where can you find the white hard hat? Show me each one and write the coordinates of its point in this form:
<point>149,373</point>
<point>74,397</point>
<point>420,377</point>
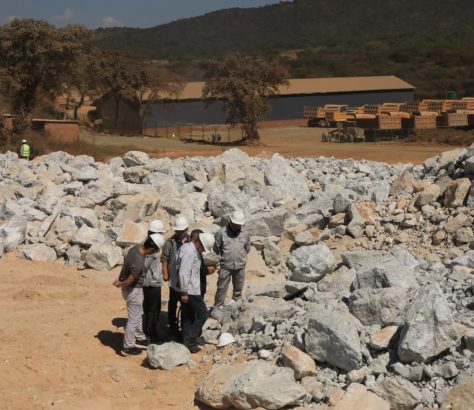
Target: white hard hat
<point>225,339</point>
<point>158,239</point>
<point>23,141</point>
<point>156,226</point>
<point>237,217</point>
<point>207,240</point>
<point>180,224</point>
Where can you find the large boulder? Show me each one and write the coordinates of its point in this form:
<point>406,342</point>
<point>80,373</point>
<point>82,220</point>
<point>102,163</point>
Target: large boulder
<point>135,158</point>
<point>168,355</point>
<point>38,252</point>
<point>382,307</point>
<point>456,192</point>
<point>311,263</point>
<point>267,223</point>
<point>403,184</point>
<point>250,385</point>
<point>12,233</point>
<point>280,174</point>
<point>333,338</point>
<point>87,237</point>
<point>104,256</point>
<point>377,269</point>
<point>430,329</point>
<point>223,199</point>
<point>132,233</point>
<point>401,393</point>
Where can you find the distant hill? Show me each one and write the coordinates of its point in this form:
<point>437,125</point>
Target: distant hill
<point>427,42</point>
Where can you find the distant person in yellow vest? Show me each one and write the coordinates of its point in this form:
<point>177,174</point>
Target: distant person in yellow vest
<point>25,150</point>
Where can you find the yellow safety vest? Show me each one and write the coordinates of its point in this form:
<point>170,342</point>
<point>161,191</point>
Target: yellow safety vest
<point>25,151</point>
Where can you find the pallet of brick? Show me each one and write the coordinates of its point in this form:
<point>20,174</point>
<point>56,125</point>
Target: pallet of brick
<point>469,103</point>
<point>391,107</point>
<point>373,109</point>
<point>431,105</point>
<point>452,119</point>
<point>411,107</point>
<point>382,122</point>
<point>310,112</point>
<point>399,114</point>
<point>420,122</point>
<point>453,105</point>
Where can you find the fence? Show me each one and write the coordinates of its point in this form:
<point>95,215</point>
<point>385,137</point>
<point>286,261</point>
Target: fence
<point>199,133</point>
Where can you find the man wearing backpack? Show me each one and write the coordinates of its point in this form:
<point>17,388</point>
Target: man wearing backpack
<point>168,256</point>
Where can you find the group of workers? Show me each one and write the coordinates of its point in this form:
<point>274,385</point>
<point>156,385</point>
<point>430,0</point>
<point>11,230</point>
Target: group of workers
<point>179,261</point>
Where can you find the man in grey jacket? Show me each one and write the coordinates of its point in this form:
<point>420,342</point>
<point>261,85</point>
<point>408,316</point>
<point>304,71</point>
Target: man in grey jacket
<point>233,246</point>
<point>193,309</point>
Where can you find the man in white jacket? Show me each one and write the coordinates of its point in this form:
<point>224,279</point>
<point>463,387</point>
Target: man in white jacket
<point>193,309</point>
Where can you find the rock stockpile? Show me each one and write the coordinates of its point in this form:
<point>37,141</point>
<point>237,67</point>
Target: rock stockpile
<point>377,307</point>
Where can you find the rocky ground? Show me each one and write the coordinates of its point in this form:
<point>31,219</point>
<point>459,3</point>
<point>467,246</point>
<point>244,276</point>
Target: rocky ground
<point>377,302</point>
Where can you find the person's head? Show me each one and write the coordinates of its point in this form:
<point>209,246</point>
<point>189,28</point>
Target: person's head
<point>203,242</point>
<point>156,226</point>
<point>153,243</point>
<point>237,219</point>
<point>180,226</point>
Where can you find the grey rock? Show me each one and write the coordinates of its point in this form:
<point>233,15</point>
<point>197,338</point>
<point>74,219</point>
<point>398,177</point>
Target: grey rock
<point>87,237</point>
<point>382,307</point>
<point>311,263</point>
<point>104,256</point>
<point>338,282</point>
<point>332,338</point>
<point>271,253</point>
<point>402,185</point>
<point>429,329</point>
<point>429,195</point>
<point>82,216</point>
<point>280,174</point>
<point>455,223</point>
<point>456,193</point>
<point>168,355</point>
<point>250,385</point>
<point>12,233</point>
<point>223,199</point>
<point>268,223</point>
<point>38,252</point>
<point>448,370</point>
<point>401,394</point>
<point>132,233</point>
<point>135,158</point>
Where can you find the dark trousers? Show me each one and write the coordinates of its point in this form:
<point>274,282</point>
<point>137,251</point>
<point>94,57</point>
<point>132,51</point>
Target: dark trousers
<point>151,311</point>
<point>173,306</point>
<point>193,316</point>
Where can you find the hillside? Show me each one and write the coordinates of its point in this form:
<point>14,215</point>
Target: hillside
<point>323,37</point>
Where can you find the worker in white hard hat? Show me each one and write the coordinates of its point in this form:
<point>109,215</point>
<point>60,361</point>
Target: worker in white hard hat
<point>131,281</point>
<point>232,246</point>
<point>25,150</point>
<point>193,309</point>
<point>152,285</point>
<point>168,256</point>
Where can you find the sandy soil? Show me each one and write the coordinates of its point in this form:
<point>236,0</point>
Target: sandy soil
<point>288,141</point>
<point>60,334</point>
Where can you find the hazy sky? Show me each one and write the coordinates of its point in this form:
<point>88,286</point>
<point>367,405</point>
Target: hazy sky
<point>111,13</point>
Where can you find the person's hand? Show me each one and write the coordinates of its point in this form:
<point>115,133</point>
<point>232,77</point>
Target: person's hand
<point>211,269</point>
<point>184,298</point>
<point>116,283</point>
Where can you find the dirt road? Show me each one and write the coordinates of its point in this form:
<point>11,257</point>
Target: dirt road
<point>293,141</point>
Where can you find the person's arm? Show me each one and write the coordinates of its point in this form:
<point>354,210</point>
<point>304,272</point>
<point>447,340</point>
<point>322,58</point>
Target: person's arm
<point>218,242</point>
<point>164,270</point>
<point>165,259</point>
<point>247,244</point>
<point>127,282</point>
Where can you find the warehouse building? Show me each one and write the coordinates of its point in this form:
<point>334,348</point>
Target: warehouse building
<point>190,109</point>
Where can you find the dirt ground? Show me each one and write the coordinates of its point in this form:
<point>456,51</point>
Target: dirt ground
<point>60,334</point>
<point>288,141</point>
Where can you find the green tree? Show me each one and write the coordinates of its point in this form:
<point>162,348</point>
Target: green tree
<point>244,85</point>
<point>34,59</point>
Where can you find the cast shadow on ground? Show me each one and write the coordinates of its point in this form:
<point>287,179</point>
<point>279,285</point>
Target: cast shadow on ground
<point>114,340</point>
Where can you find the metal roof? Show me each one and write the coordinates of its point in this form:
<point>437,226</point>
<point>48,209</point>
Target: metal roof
<point>308,86</point>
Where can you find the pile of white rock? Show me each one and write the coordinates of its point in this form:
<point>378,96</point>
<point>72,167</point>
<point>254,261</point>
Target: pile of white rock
<point>378,304</point>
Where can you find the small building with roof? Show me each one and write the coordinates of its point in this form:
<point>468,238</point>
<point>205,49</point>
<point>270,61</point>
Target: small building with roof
<point>190,109</point>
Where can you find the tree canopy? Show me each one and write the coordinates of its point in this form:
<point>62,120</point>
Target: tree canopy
<point>244,84</point>
<point>35,58</point>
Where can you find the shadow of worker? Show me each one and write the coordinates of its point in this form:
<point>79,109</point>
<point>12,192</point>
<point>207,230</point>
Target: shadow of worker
<point>111,339</point>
